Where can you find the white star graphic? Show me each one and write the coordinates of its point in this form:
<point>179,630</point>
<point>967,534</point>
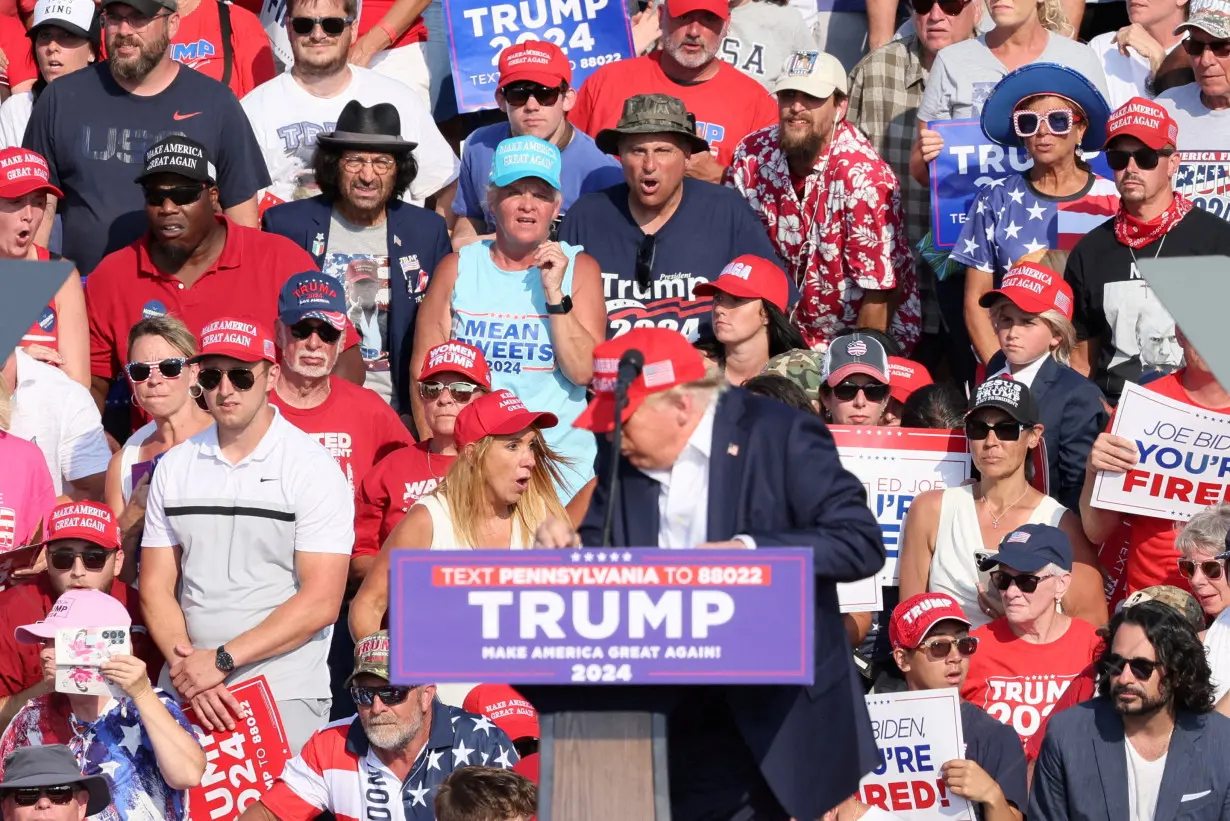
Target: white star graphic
<point>576,556</point>
<point>453,720</point>
<point>990,232</point>
<point>483,723</point>
<point>602,557</point>
<point>109,768</point>
<point>1017,196</point>
<point>419,794</point>
<point>502,759</point>
<point>589,557</point>
<point>1036,211</point>
<point>996,182</point>
<point>485,756</point>
<point>462,754</point>
<point>433,760</point>
<point>980,208</point>
<point>132,738</point>
<point>1012,230</point>
<point>1033,245</point>
<point>971,246</point>
<point>627,557</point>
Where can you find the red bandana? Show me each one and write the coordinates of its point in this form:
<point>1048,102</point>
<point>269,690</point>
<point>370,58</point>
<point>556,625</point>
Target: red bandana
<point>1136,234</point>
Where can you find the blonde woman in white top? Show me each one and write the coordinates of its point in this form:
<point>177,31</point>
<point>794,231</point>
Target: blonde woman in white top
<point>946,530</point>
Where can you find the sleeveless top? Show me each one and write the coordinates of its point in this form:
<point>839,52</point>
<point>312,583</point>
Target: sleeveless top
<point>45,331</point>
<point>954,569</point>
<point>443,537</point>
<point>504,314</point>
<point>130,454</point>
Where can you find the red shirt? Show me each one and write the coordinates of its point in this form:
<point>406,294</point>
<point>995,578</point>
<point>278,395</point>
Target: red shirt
<point>390,489</point>
<point>31,602</point>
<point>19,51</point>
<point>1151,556</point>
<point>199,45</point>
<point>1081,688</point>
<point>728,106</point>
<point>354,424</point>
<point>1019,683</point>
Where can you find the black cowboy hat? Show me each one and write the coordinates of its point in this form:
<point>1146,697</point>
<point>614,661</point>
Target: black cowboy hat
<point>377,128</point>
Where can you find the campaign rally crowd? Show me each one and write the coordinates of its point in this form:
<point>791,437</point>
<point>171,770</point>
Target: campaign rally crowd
<point>319,312</point>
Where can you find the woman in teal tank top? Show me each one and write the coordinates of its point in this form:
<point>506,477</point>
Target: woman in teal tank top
<point>534,307</point>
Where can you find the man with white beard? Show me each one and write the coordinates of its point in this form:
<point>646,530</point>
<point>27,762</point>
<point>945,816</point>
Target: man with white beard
<point>401,746</point>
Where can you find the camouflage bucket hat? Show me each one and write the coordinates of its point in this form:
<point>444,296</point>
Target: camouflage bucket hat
<point>1182,601</point>
<point>652,114</point>
<point>803,368</point>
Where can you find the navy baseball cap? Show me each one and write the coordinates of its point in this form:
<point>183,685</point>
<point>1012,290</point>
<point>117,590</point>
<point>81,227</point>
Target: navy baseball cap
<point>1030,548</point>
<point>312,295</point>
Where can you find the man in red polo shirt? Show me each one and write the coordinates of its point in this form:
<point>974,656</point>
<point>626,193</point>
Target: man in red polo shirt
<point>83,551</point>
<point>193,264</point>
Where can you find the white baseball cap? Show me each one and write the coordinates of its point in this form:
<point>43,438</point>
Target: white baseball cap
<point>812,72</point>
<point>74,16</point>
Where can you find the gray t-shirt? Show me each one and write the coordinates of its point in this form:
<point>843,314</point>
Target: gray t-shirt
<point>965,73</point>
<point>358,256</point>
<point>762,35</point>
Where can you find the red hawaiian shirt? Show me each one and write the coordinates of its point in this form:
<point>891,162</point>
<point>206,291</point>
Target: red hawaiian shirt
<point>846,237</point>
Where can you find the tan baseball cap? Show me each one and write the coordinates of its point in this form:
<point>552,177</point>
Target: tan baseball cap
<point>371,655</point>
<point>812,72</point>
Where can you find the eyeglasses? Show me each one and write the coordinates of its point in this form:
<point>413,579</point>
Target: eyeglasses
<point>519,94</point>
<point>950,7</point>
<point>241,378</point>
<point>137,21</point>
<point>332,26</point>
<point>874,391</point>
<point>169,368</point>
<point>390,696</point>
<point>1142,669</point>
<point>327,333</point>
<point>938,649</point>
<point>181,195</point>
<point>644,261</point>
<point>1220,48</point>
<point>94,558</point>
<point>1025,582</point>
<point>1004,431</point>
<point>1058,121</point>
<point>29,796</point>
<point>1146,158</point>
<point>461,391</point>
<point>1211,568</point>
<point>382,165</point>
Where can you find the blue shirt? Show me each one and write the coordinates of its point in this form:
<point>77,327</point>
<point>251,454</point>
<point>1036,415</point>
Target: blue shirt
<point>586,168</point>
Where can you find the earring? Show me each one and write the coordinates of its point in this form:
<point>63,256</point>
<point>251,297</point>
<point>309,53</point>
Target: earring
<point>133,399</point>
<point>195,390</point>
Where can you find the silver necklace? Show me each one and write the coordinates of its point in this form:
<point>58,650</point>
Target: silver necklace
<point>995,519</point>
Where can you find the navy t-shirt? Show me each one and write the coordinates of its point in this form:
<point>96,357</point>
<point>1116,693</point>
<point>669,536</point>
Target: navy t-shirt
<point>94,136</point>
<point>585,169</point>
<point>996,748</point>
<point>712,226</point>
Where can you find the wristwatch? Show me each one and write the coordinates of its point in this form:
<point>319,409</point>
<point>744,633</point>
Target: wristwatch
<point>224,661</point>
<point>563,307</point>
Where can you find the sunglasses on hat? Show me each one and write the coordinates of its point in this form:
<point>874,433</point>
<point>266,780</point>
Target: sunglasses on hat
<point>29,796</point>
<point>1146,158</point>
<point>93,558</point>
<point>179,194</point>
<point>241,378</point>
<point>169,368</point>
<point>938,649</point>
<point>327,333</point>
<point>1058,121</point>
<point>518,94</point>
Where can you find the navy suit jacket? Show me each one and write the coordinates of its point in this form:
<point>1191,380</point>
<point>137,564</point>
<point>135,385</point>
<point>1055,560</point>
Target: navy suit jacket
<point>1072,411</point>
<point>418,240</point>
<point>774,475</point>
<point>1081,773</point>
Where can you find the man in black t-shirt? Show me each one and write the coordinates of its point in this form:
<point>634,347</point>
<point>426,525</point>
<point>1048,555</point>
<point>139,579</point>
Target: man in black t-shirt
<point>94,127</point>
<point>1124,331</point>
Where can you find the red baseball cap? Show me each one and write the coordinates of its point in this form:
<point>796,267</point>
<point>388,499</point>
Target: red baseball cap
<point>1033,288</point>
<point>678,8</point>
<point>1146,121</point>
<point>24,172</point>
<point>457,357</point>
<point>905,376</point>
<point>913,619</point>
<point>670,360</point>
<point>244,339</point>
<point>90,521</point>
<point>534,61</point>
<point>510,710</point>
<point>750,277</point>
<point>497,414</point>
<point>528,767</point>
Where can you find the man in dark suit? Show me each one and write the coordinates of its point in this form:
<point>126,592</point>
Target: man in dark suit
<point>359,221</point>
<point>1149,746</point>
<point>710,466</point>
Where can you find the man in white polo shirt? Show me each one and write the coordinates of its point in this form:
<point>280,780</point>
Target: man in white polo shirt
<point>248,531</point>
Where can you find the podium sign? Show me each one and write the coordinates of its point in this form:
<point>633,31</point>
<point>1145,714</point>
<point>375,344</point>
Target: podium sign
<point>613,616</point>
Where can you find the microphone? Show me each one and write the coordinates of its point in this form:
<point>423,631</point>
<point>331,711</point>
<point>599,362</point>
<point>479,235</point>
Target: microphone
<point>630,366</point>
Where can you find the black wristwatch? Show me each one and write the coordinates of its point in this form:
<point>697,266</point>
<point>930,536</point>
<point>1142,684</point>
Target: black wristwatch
<point>563,307</point>
<point>224,661</point>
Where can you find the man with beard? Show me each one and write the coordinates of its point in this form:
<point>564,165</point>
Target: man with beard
<point>401,747</point>
<point>192,264</point>
<point>832,208</point>
<point>1149,746</point>
<point>94,127</point>
<point>727,104</point>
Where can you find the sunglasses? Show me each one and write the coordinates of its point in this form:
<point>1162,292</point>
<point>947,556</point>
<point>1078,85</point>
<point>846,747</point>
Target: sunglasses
<point>169,368</point>
<point>29,796</point>
<point>178,194</point>
<point>519,94</point>
<point>1058,121</point>
<point>644,261</point>
<point>1004,431</point>
<point>874,391</point>
<point>1146,158</point>
<point>389,696</point>
<point>950,7</point>
<point>1025,582</point>
<point>938,649</point>
<point>1211,568</point>
<point>461,391</point>
<point>332,26</point>
<point>1220,48</point>
<point>327,333</point>
<point>241,378</point>
<point>1142,669</point>
<point>93,558</point>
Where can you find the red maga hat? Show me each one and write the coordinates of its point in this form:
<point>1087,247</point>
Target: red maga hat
<point>906,376</point>
<point>913,619</point>
<point>457,357</point>
<point>497,414</point>
<point>244,339</point>
<point>1033,288</point>
<point>750,277</point>
<point>24,172</point>
<point>510,710</point>
<point>90,521</point>
<point>1145,120</point>
<point>534,61</point>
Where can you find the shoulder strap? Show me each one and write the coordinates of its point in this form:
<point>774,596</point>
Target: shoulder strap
<point>228,48</point>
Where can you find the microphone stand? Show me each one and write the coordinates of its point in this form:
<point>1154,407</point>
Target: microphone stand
<point>617,437</point>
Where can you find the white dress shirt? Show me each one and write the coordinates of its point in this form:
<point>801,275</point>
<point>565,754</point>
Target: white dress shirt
<point>1025,375</point>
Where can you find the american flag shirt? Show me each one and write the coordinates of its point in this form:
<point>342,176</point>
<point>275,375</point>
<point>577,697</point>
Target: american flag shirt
<point>339,772</point>
<point>115,746</point>
<point>1010,218</point>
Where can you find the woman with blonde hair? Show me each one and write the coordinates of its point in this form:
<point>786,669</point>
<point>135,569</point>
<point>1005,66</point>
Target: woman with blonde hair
<point>500,488</point>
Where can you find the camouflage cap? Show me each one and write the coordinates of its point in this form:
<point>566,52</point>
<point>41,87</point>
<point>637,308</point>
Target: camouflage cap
<point>803,368</point>
<point>652,114</point>
<point>371,655</point>
<point>1182,601</point>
